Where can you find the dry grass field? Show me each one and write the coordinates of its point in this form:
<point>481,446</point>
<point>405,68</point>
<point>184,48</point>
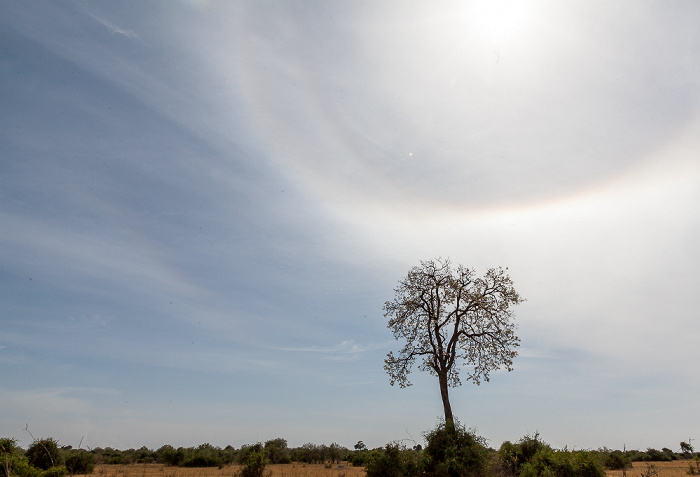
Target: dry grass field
<point>676,468</point>
<point>278,470</point>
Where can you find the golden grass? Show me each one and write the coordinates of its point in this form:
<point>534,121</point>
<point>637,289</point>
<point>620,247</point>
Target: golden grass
<point>676,468</point>
<point>278,470</point>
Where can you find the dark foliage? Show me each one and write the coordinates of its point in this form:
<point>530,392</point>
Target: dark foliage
<point>253,461</point>
<point>531,457</point>
<point>453,451</point>
<point>359,458</point>
<point>393,460</point>
<point>277,452</point>
<point>44,454</point>
<point>79,462</point>
<point>616,460</point>
<point>511,457</point>
<point>56,471</point>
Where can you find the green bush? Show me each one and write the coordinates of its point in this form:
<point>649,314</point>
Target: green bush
<point>358,458</point>
<point>253,461</point>
<point>550,463</point>
<point>8,447</point>
<point>455,452</point>
<point>168,455</point>
<point>80,462</point>
<point>511,457</point>
<point>616,460</point>
<point>393,460</point>
<point>56,471</point>
<point>21,468</point>
<point>277,452</point>
<point>44,454</point>
<point>531,457</point>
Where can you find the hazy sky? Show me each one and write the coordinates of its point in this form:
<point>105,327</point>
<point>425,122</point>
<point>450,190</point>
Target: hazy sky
<point>204,206</point>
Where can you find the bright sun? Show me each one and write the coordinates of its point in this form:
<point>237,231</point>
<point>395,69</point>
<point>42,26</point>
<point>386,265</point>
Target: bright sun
<point>501,21</point>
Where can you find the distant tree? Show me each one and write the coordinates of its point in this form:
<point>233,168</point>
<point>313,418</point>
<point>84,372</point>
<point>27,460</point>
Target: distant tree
<point>309,453</point>
<point>204,455</point>
<point>276,451</point>
<point>449,317</point>
<point>335,452</point>
<point>168,455</point>
<point>686,448</point>
<point>360,446</point>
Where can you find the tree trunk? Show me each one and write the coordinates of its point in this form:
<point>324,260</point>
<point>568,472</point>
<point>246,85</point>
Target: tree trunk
<point>444,393</point>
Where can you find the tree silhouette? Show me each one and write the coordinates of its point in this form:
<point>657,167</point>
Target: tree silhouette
<point>448,318</point>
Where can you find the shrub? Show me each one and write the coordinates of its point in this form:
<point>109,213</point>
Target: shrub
<point>656,455</point>
<point>253,462</point>
<point>56,471</point>
<point>113,456</point>
<point>205,455</point>
<point>393,460</point>
<point>277,452</point>
<point>511,457</point>
<point>169,456</point>
<point>44,454</point>
<point>616,460</point>
<point>551,463</point>
<point>8,446</point>
<point>80,462</point>
<point>454,452</point>
<point>359,458</point>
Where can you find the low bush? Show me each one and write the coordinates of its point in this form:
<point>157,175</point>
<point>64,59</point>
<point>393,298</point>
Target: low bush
<point>550,463</point>
<point>511,457</point>
<point>45,454</point>
<point>394,460</point>
<point>531,457</point>
<point>56,471</point>
<point>455,452</point>
<point>358,458</point>
<point>253,462</point>
<point>79,462</point>
<point>616,460</point>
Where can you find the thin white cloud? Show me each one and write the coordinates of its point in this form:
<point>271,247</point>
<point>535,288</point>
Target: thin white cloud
<point>114,28</point>
<point>345,346</point>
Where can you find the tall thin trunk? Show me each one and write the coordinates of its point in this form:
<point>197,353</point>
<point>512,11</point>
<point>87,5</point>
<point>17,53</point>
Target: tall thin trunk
<point>444,393</point>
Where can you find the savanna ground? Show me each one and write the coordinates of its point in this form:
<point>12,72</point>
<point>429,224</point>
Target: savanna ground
<point>277,470</point>
<point>676,468</point>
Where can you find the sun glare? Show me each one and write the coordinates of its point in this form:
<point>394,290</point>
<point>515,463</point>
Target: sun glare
<point>501,21</point>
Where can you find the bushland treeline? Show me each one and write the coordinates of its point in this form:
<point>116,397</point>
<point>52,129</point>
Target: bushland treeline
<point>275,451</point>
<point>457,452</point>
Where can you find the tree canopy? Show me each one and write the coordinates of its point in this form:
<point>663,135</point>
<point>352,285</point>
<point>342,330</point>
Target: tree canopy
<point>450,318</point>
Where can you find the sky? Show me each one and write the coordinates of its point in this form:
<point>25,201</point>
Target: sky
<point>204,206</point>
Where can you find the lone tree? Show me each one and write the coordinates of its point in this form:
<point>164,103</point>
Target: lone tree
<point>450,317</point>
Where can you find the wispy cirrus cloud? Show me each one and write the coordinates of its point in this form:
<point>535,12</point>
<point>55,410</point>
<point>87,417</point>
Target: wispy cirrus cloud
<point>345,346</point>
<point>114,28</point>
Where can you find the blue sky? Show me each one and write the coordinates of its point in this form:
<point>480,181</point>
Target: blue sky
<point>204,206</point>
